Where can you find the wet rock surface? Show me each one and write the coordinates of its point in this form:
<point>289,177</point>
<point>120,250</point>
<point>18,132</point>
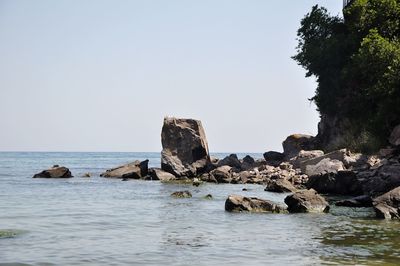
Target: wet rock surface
<point>306,201</point>
<point>181,194</point>
<point>134,170</point>
<point>55,172</point>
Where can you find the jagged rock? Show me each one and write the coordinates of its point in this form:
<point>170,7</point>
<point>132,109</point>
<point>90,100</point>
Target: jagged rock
<point>232,161</point>
<point>341,183</point>
<point>381,180</point>
<point>324,166</point>
<point>134,170</point>
<point>207,177</point>
<point>306,201</point>
<point>297,142</point>
<point>159,174</point>
<point>274,158</point>
<point>185,148</point>
<point>181,194</point>
<point>303,156</point>
<point>348,159</point>
<point>248,162</point>
<point>280,186</point>
<point>54,172</point>
<point>236,203</point>
<point>387,206</point>
<point>394,138</point>
<point>360,201</point>
<point>222,174</point>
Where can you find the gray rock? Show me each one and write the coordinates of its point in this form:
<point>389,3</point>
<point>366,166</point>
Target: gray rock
<point>232,161</point>
<point>306,201</point>
<point>297,142</point>
<point>341,183</point>
<point>274,158</point>
<point>381,180</point>
<point>159,174</point>
<point>303,156</point>
<point>222,174</point>
<point>394,138</point>
<point>324,166</point>
<point>185,147</point>
<point>247,163</point>
<point>360,201</point>
<point>387,206</point>
<point>236,203</point>
<point>134,170</point>
<point>54,172</point>
<point>280,186</point>
<point>181,194</point>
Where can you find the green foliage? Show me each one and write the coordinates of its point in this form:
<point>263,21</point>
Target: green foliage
<point>356,61</point>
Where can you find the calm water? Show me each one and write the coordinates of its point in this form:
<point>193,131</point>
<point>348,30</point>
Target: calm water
<point>97,221</point>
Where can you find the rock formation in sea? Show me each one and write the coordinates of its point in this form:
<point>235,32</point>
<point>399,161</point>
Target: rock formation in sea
<point>54,172</point>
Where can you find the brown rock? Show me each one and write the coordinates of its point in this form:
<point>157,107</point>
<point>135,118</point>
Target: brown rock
<point>222,174</point>
<point>297,142</point>
<point>236,203</point>
<point>134,170</point>
<point>54,172</point>
<point>185,148</point>
<point>387,206</point>
<point>306,201</point>
<point>280,186</point>
<point>159,174</point>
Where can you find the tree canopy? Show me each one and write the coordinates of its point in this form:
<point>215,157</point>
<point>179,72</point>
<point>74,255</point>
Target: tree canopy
<point>356,61</point>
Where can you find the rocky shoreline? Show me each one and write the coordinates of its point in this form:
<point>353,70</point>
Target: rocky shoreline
<point>303,170</point>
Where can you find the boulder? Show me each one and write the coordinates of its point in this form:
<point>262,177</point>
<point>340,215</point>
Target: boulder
<point>387,206</point>
<point>381,180</point>
<point>181,194</point>
<point>325,166</point>
<point>303,156</point>
<point>306,201</point>
<point>280,186</point>
<point>54,172</point>
<point>297,142</point>
<point>360,201</point>
<point>206,177</point>
<point>346,157</point>
<point>185,148</point>
<point>394,138</point>
<point>274,158</point>
<point>159,174</point>
<point>222,174</point>
<point>341,183</point>
<point>248,163</point>
<point>236,203</point>
<point>232,161</point>
<point>134,170</point>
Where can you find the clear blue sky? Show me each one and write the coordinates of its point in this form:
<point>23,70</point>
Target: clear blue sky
<point>101,75</point>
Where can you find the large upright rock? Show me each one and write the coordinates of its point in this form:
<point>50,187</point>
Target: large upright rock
<point>297,142</point>
<point>185,147</point>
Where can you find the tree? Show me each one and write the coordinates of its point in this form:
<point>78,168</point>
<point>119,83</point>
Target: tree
<point>356,61</point>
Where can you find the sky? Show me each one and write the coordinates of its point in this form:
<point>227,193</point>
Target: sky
<point>96,75</point>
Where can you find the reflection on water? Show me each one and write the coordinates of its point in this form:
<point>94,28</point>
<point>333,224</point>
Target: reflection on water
<point>96,221</point>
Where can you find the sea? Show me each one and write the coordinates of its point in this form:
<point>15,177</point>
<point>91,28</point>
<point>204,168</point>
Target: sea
<point>100,221</point>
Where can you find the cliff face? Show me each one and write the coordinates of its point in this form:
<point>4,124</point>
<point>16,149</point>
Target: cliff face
<point>333,133</point>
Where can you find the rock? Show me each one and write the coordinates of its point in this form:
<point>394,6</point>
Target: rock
<point>341,183</point>
<point>325,166</point>
<point>360,201</point>
<point>185,148</point>
<point>273,158</point>
<point>222,174</point>
<point>86,175</point>
<point>159,174</point>
<point>303,156</point>
<point>134,170</point>
<point>54,172</point>
<point>381,180</point>
<point>196,182</point>
<point>214,160</point>
<point>387,206</point>
<point>306,201</point>
<point>208,196</point>
<point>208,178</point>
<point>394,138</point>
<point>280,186</point>
<point>297,142</point>
<point>387,152</point>
<point>232,161</point>
<point>181,194</point>
<point>248,163</point>
<point>348,159</point>
<point>236,203</point>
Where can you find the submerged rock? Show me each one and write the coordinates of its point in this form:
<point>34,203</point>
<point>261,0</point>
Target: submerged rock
<point>55,172</point>
<point>236,203</point>
<point>360,201</point>
<point>185,147</point>
<point>134,170</point>
<point>306,201</point>
<point>181,194</point>
<point>387,206</point>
